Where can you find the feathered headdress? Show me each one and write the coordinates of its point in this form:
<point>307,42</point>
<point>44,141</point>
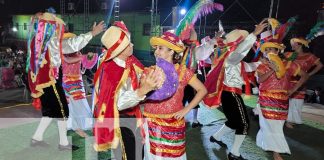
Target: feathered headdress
<point>279,32</point>
<point>317,30</point>
<point>199,9</point>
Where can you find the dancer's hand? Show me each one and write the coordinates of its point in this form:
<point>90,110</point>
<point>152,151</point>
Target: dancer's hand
<point>260,27</point>
<point>148,83</point>
<point>273,67</point>
<point>96,29</point>
<point>180,114</point>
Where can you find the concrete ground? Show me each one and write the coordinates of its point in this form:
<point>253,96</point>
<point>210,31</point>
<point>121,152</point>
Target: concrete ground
<point>305,141</point>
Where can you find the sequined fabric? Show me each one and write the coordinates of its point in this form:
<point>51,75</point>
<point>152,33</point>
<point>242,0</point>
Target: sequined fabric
<point>273,98</point>
<point>306,62</point>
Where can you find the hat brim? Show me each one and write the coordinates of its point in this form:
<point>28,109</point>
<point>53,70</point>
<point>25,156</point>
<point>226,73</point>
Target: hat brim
<point>298,40</point>
<point>157,41</point>
<point>51,17</point>
<point>271,45</point>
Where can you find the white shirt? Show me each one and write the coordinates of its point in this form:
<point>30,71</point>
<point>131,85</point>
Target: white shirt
<point>127,96</point>
<point>70,45</point>
<point>232,75</point>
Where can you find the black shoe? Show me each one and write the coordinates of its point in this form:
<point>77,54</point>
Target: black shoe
<point>212,139</point>
<point>35,143</point>
<point>195,125</point>
<point>69,147</point>
<point>231,156</point>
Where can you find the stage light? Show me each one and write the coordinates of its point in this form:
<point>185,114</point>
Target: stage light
<point>183,11</point>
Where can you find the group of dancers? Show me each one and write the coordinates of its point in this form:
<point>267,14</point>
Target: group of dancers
<point>132,103</point>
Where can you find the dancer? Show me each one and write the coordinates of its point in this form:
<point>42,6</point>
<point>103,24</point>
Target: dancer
<point>310,64</point>
<point>273,76</point>
<point>117,93</point>
<point>164,123</point>
<point>239,43</point>
<point>44,76</point>
<point>80,117</point>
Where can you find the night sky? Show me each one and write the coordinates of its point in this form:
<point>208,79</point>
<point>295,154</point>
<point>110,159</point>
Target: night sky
<point>258,9</point>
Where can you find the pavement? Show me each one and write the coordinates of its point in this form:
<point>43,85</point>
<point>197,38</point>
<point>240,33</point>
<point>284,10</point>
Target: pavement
<point>305,141</point>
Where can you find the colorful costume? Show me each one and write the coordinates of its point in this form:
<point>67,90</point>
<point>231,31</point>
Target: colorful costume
<point>226,88</point>
<point>273,100</point>
<point>296,101</point>
<point>45,51</point>
<point>115,83</point>
<point>165,135</point>
<point>273,92</point>
<point>80,112</point>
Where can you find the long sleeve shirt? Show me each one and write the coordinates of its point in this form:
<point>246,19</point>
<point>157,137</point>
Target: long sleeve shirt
<point>127,96</point>
<point>233,76</point>
<point>69,45</point>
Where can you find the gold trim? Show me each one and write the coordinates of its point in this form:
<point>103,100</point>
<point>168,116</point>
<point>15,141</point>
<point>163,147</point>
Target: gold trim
<point>177,123</point>
<point>163,116</point>
<point>172,151</point>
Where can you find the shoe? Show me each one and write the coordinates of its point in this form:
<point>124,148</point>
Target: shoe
<point>68,147</point>
<point>213,140</point>
<point>195,125</point>
<point>289,125</point>
<point>35,143</point>
<point>231,156</point>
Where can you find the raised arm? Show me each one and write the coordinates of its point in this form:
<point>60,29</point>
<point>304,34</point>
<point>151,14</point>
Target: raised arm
<point>244,47</point>
<point>75,44</point>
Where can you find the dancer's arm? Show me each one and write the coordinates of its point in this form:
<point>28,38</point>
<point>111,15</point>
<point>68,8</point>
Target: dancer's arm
<point>201,90</point>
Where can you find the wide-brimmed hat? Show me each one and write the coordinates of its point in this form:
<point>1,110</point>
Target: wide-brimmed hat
<point>115,39</point>
<point>277,45</point>
<point>169,40</point>
<point>235,36</point>
<point>49,17</point>
<point>232,38</point>
<point>300,40</point>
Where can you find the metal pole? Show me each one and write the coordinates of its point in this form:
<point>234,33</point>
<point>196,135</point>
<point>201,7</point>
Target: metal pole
<point>277,9</point>
<point>271,8</point>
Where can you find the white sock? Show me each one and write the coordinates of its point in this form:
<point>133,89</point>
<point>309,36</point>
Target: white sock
<point>62,132</point>
<point>195,113</point>
<point>43,124</point>
<point>224,130</point>
<point>238,140</point>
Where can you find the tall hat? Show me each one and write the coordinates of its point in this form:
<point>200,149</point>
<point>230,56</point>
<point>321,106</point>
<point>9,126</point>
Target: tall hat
<point>169,40</point>
<point>115,39</point>
<point>279,31</point>
<point>278,34</point>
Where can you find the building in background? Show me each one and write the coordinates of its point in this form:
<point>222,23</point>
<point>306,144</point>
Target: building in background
<point>138,24</point>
